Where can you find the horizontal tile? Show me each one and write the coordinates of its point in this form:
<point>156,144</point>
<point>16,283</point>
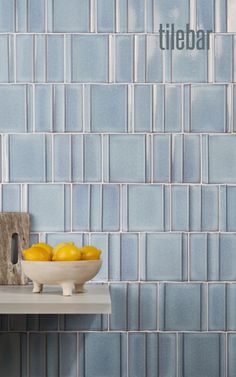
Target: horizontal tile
<point>127,158</point>
<point>27,158</point>
<point>89,58</point>
<point>109,108</point>
<point>181,307</point>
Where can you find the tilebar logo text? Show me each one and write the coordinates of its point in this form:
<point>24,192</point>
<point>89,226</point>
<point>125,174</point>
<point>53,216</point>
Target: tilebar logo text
<point>188,39</point>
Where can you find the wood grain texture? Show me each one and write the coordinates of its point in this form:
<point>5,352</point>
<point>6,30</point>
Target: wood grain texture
<point>11,223</point>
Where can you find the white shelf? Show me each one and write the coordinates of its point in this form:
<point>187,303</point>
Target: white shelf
<point>21,300</point>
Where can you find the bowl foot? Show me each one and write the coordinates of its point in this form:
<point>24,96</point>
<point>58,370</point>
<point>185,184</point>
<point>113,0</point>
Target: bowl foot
<point>79,288</point>
<point>37,287</point>
<point>67,288</point>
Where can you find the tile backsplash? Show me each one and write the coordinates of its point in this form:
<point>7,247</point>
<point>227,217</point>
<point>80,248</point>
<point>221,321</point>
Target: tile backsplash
<point>107,139</point>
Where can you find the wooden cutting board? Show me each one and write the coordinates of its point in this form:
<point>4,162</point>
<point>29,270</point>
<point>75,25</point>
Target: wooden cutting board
<point>14,237</point>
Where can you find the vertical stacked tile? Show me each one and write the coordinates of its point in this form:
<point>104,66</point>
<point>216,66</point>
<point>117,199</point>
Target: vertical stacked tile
<point>107,139</point>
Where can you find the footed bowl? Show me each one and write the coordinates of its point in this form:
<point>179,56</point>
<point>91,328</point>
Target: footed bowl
<point>67,274</point>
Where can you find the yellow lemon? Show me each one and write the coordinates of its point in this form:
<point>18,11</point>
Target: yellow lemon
<point>36,253</point>
<point>90,253</point>
<point>67,252</point>
<point>60,245</point>
<point>44,246</point>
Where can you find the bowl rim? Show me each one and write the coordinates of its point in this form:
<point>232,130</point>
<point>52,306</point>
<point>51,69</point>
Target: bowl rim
<point>51,262</point>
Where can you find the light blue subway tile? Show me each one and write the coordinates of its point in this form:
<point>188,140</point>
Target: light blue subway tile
<point>40,60</point>
<point>191,159</point>
<point>227,256</point>
<point>106,16</point>
<point>222,159</point>
<point>231,365</point>
<point>189,66</point>
<point>68,355</point>
<point>110,209</point>
<point>72,16</point>
<point>13,108</point>
<point>92,158</point>
<point>230,16</point>
<point>167,355</point>
<point>161,158</point>
<point>36,16</point>
<point>182,307</point>
<point>145,208</point>
<point>208,108</point>
<point>74,108</point>
<point>13,354</point>
<point>43,108</point>
<point>203,355</point>
<point>52,363</point>
<point>173,11</point>
<point>136,16</point>
<point>109,108</point>
<point>55,58</point>
<point>90,58</point>
<point>216,307</point>
<point>27,158</point>
<point>49,216</point>
<point>4,58</point>
<point>142,108</point>
<point>11,198</point>
<point>148,306</point>
<point>231,207</point>
<point>100,240</point>
<point>205,15</point>
<point>137,354</point>
<point>83,322</point>
<point>118,317</point>
<point>129,256</point>
<point>195,212</point>
<point>114,257</point>
<point>7,16</point>
<point>151,352</point>
<point>124,58</point>
<point>81,198</point>
<point>54,238</point>
<point>140,58</point>
<point>62,158</point>
<point>77,158</point>
<point>133,306</point>
<point>102,352</point>
<point>164,257</point>
<point>210,208</point>
<point>21,15</point>
<point>177,156</point>
<point>198,257</point>
<point>231,307</point>
<point>213,251</point>
<point>37,355</point>
<point>127,158</point>
<point>180,208</point>
<point>173,108</point>
<point>58,96</point>
<point>96,205</point>
<point>154,62</point>
<point>122,20</point>
<point>223,58</point>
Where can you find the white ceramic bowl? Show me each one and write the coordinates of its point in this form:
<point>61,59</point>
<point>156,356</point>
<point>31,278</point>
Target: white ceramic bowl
<point>67,274</point>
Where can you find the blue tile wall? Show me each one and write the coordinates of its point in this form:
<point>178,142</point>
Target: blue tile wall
<point>106,139</point>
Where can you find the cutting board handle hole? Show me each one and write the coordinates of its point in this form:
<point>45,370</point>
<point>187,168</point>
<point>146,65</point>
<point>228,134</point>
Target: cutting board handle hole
<point>14,248</point>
